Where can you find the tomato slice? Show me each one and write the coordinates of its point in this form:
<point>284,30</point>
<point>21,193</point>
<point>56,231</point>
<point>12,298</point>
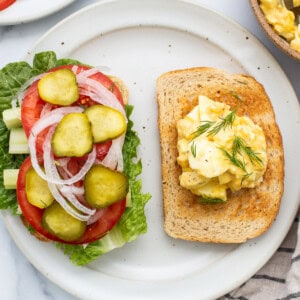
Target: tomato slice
<point>32,107</point>
<point>6,3</point>
<point>34,214</point>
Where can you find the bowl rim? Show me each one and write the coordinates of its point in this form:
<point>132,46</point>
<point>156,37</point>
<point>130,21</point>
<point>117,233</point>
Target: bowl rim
<point>280,42</point>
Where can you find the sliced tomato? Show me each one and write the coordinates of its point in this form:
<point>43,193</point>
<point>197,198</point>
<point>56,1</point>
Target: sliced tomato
<point>34,214</point>
<point>6,3</point>
<point>32,106</point>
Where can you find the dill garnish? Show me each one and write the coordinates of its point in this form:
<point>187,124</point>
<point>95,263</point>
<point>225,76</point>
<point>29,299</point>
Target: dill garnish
<point>236,95</point>
<point>225,122</point>
<point>212,128</point>
<point>234,160</point>
<point>203,128</point>
<point>239,146</point>
<point>194,149</point>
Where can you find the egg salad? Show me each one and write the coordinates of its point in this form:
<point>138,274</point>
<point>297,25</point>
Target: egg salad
<point>219,150</point>
<point>282,20</point>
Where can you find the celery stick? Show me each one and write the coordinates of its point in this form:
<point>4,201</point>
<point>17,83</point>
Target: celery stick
<point>10,177</point>
<point>12,117</point>
<point>18,143</point>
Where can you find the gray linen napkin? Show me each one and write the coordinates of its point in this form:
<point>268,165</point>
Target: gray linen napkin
<point>279,279</point>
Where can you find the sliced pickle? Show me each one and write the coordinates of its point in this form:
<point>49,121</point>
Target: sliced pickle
<point>59,87</point>
<point>72,136</point>
<point>107,123</point>
<point>58,222</point>
<point>37,190</point>
<point>104,186</point>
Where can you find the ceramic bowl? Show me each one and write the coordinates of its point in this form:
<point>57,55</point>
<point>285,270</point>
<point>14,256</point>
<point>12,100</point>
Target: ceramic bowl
<point>280,42</point>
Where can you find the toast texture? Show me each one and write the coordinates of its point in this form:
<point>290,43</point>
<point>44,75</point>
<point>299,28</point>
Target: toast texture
<point>247,213</point>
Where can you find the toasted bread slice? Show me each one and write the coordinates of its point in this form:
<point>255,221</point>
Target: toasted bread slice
<point>248,212</point>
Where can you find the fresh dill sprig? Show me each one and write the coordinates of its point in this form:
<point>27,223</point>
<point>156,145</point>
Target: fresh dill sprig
<point>236,95</point>
<point>212,128</point>
<point>239,146</point>
<point>234,160</point>
<point>203,128</point>
<point>225,122</point>
<point>194,149</point>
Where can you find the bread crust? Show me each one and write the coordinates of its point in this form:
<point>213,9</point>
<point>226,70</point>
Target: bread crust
<point>247,213</point>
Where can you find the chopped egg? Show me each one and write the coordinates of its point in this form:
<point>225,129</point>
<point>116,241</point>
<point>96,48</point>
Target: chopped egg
<point>219,150</point>
<point>282,20</point>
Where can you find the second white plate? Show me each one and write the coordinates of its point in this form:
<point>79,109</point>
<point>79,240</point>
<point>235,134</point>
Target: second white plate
<point>137,41</point>
<point>23,11</point>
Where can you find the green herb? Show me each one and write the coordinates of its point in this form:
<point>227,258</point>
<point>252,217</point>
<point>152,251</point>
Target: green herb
<point>234,160</point>
<point>30,228</point>
<point>226,121</point>
<point>203,128</point>
<point>242,82</point>
<point>236,95</point>
<point>194,149</point>
<point>239,146</point>
<point>212,128</point>
<point>208,200</point>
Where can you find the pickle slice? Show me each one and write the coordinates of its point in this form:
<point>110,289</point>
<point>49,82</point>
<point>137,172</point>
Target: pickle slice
<point>72,136</point>
<point>58,222</point>
<point>107,123</point>
<point>104,186</point>
<point>59,87</point>
<point>37,190</point>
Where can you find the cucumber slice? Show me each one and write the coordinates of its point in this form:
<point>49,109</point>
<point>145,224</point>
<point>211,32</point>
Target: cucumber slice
<point>59,87</point>
<point>10,177</point>
<point>107,123</point>
<point>72,136</point>
<point>18,143</point>
<point>104,186</point>
<point>37,190</point>
<point>58,222</point>
<point>12,117</point>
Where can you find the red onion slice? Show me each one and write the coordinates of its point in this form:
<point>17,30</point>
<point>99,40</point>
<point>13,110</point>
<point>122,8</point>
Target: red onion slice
<point>114,156</point>
<point>99,93</point>
<point>98,214</point>
<point>57,191</point>
<point>52,118</point>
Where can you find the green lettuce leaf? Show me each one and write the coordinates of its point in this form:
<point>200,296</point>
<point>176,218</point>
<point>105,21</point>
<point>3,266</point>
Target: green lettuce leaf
<point>133,221</point>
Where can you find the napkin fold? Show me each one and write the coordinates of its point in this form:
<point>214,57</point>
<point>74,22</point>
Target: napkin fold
<point>279,279</point>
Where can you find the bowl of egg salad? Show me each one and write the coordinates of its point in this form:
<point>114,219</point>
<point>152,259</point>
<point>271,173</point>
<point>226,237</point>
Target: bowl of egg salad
<point>280,24</point>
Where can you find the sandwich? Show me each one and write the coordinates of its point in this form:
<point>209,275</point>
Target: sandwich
<point>69,168</point>
<point>237,197</point>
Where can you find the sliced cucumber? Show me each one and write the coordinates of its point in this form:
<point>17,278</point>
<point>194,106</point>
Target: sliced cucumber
<point>58,222</point>
<point>107,123</point>
<point>10,178</point>
<point>12,117</point>
<point>104,186</point>
<point>59,87</point>
<point>18,143</point>
<point>72,136</point>
<point>37,190</point>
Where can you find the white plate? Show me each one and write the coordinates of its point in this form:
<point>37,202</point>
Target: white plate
<point>23,11</point>
<point>139,40</point>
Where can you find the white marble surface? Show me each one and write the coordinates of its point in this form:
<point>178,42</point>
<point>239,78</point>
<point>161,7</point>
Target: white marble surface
<point>18,278</point>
